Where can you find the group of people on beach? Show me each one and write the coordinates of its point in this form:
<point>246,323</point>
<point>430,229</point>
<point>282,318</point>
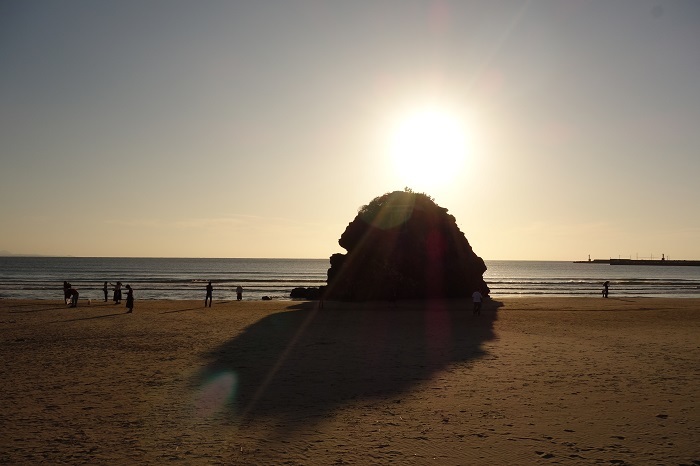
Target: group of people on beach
<point>210,294</point>
<point>117,297</point>
<point>71,295</point>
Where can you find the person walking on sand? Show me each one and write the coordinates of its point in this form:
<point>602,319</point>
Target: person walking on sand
<point>605,289</point>
<point>210,290</point>
<point>239,292</point>
<point>106,291</point>
<point>476,299</point>
<point>129,299</point>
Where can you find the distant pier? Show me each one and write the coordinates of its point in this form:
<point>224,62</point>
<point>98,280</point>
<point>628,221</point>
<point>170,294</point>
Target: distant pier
<point>653,262</point>
<point>657,262</point>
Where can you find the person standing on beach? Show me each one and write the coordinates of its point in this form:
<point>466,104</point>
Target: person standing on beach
<point>239,292</point>
<point>117,293</point>
<point>210,290</point>
<point>605,289</point>
<point>476,299</point>
<point>129,299</point>
<point>106,291</point>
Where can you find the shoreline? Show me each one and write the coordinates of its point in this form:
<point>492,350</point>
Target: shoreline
<point>185,278</point>
<point>551,302</point>
<point>574,380</point>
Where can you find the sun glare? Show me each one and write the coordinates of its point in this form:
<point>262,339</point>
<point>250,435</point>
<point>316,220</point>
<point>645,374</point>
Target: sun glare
<point>428,148</point>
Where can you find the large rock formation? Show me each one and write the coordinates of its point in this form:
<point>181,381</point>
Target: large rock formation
<point>404,246</point>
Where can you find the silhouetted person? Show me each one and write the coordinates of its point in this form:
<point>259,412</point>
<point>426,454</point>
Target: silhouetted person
<point>210,290</point>
<point>476,299</point>
<point>106,291</point>
<point>73,293</point>
<point>605,289</point>
<point>117,293</point>
<point>239,292</point>
<point>129,299</point>
<point>66,291</point>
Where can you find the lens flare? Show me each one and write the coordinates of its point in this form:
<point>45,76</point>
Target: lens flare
<point>216,393</point>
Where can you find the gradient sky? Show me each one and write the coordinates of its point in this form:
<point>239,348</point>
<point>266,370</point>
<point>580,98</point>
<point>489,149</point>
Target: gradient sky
<point>257,129</point>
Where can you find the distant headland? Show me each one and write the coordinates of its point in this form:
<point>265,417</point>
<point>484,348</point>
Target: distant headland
<point>5,253</point>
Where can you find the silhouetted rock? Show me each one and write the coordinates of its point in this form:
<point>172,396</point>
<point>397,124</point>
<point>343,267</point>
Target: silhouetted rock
<point>404,246</point>
<point>306,293</point>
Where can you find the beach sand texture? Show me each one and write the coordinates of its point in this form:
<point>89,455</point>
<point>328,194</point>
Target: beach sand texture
<point>529,381</point>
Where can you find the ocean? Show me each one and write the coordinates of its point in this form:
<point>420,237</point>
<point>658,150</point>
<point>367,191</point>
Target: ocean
<point>168,278</point>
<point>153,278</point>
<point>560,278</point>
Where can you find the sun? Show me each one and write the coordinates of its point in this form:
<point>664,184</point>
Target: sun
<point>428,148</point>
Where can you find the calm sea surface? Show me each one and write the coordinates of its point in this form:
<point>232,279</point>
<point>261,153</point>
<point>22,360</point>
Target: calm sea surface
<point>42,277</point>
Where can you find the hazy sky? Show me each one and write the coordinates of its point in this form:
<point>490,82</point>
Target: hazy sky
<point>258,128</point>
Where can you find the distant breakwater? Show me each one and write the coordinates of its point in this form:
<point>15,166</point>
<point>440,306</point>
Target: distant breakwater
<point>661,262</point>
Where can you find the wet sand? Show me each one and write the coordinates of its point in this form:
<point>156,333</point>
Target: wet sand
<point>529,381</point>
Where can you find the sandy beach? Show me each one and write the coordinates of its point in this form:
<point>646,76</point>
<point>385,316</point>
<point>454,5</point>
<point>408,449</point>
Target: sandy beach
<point>529,381</point>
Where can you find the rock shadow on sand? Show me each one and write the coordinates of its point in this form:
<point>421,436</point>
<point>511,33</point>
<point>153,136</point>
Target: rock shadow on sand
<point>295,367</point>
